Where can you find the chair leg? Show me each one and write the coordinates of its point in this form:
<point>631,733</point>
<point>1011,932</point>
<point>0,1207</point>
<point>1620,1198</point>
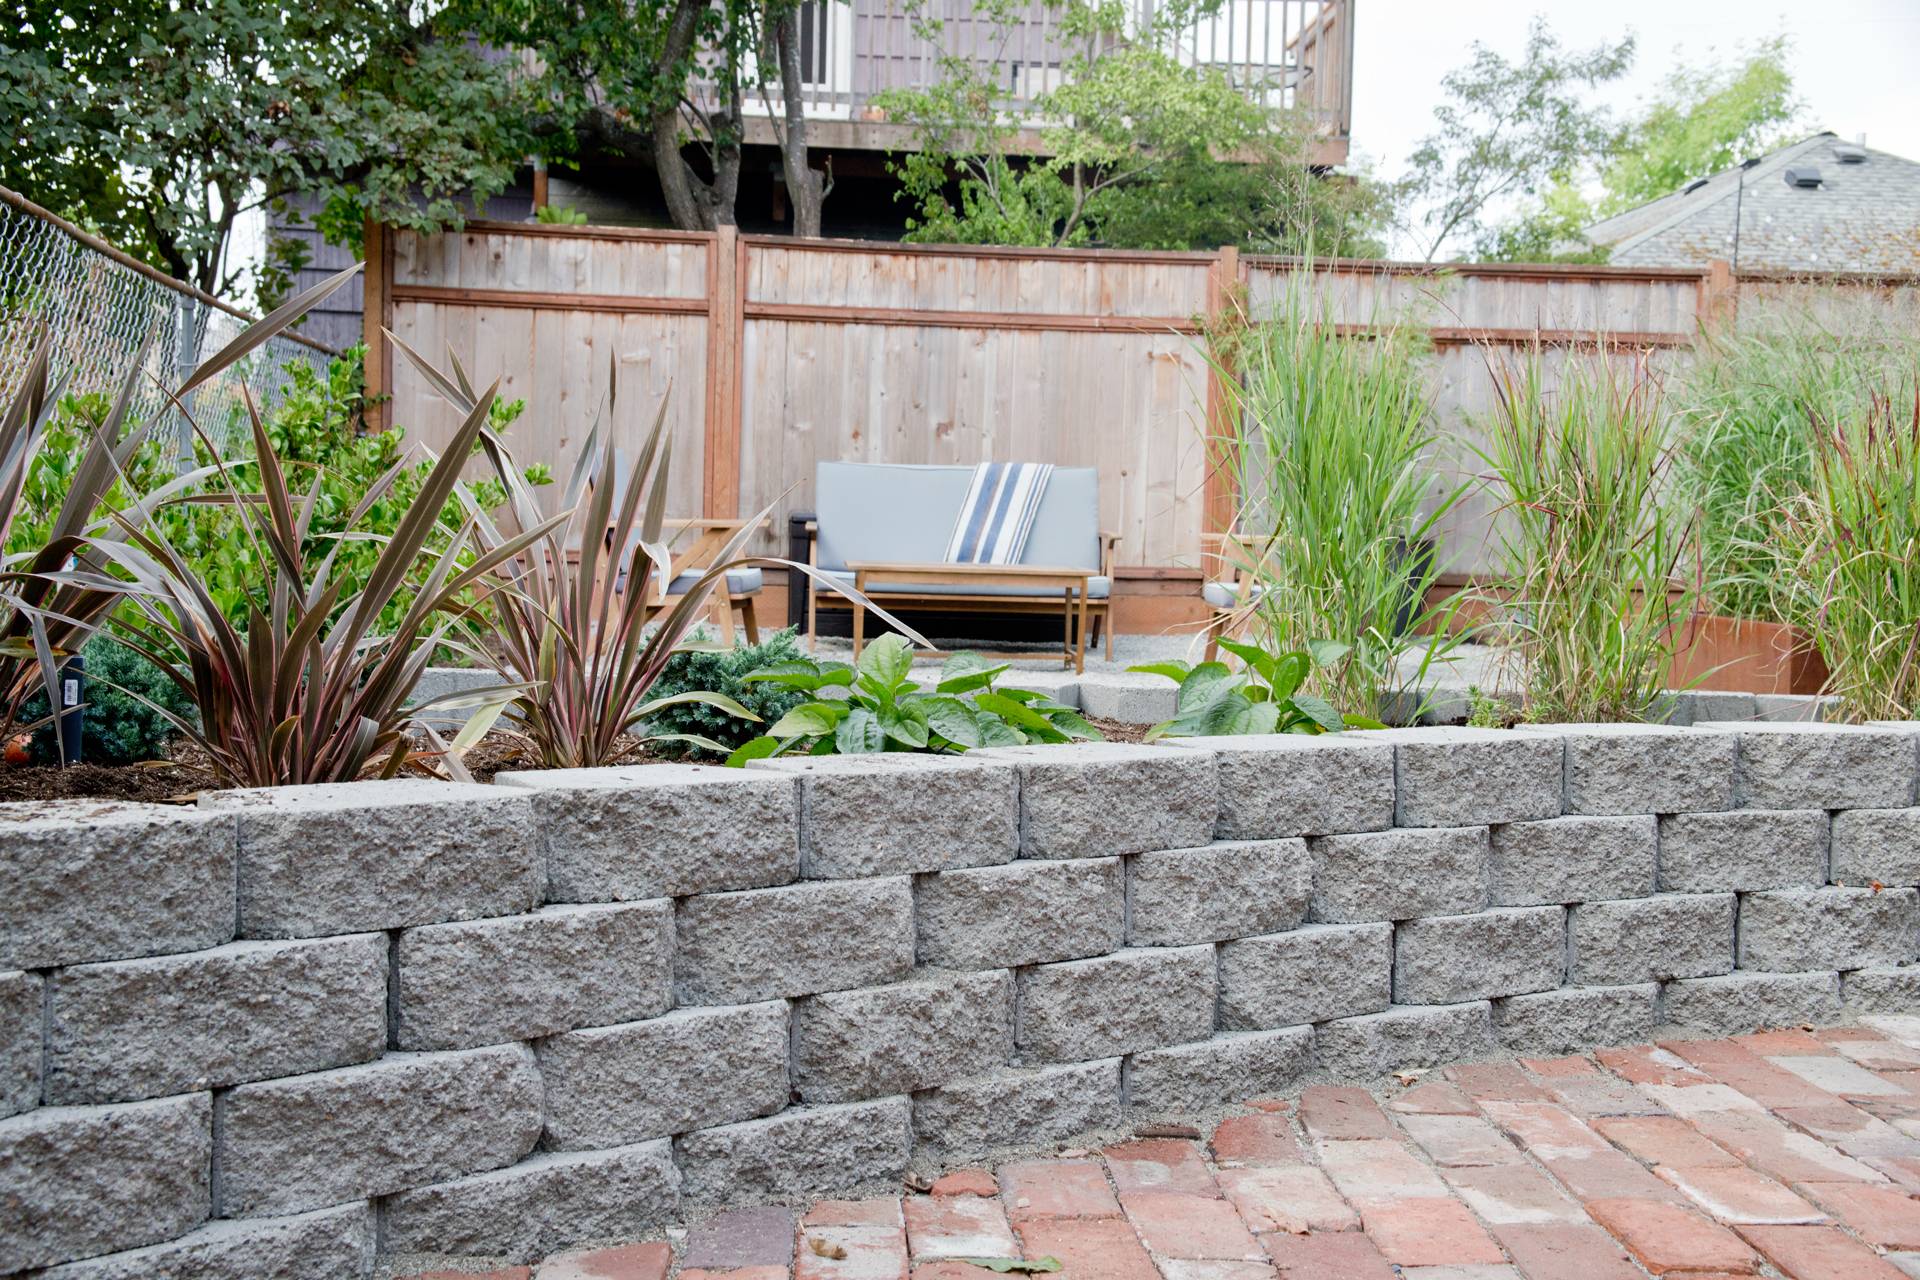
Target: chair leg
<point>1106,626</point>
<point>859,630</point>
<point>747,620</point>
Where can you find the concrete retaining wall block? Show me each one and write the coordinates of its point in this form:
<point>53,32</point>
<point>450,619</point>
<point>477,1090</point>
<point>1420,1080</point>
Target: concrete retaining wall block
<point>871,1043</point>
<point>1402,1038</point>
<point>1094,799</point>
<point>1563,860</point>
<point>1790,930</point>
<point>1667,936</point>
<point>1398,875</point>
<point>1743,850</point>
<point>1233,889</point>
<point>662,830</point>
<point>1028,1107</point>
<point>478,982</point>
<point>1287,784</point>
<point>1823,766</point>
<point>1028,913</point>
<point>1459,777</point>
<point>86,1180</point>
<point>805,1151</point>
<point>1877,845</point>
<point>1228,1069</point>
<point>1737,1003</point>
<point>543,1204</point>
<point>21,1033</point>
<point>1129,697</point>
<point>891,815</point>
<point>762,944</point>
<point>1645,768</point>
<point>692,1068</point>
<point>1882,989</point>
<point>1576,1019</point>
<point>132,1029</point>
<point>1305,975</point>
<point>352,856</point>
<point>408,1119</point>
<point>101,880</point>
<point>327,1244</point>
<point>1121,1003</point>
<point>1504,952</point>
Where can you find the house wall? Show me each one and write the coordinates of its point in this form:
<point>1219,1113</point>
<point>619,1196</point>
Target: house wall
<point>579,1005</point>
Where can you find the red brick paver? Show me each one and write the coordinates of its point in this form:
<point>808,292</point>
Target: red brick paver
<point>1788,1155</point>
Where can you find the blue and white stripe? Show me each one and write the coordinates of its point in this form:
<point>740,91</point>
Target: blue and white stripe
<point>997,514</point>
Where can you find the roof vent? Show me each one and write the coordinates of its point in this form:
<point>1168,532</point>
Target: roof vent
<point>1848,153</point>
<point>1693,186</point>
<point>1803,177</point>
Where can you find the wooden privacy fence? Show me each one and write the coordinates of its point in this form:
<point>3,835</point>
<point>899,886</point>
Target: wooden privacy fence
<point>776,353</point>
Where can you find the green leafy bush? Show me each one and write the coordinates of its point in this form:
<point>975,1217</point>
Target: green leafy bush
<point>723,671</point>
<point>883,710</point>
<point>1263,697</point>
<point>120,727</point>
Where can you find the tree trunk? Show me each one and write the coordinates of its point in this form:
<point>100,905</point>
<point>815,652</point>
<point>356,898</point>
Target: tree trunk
<point>807,187</point>
<point>693,203</point>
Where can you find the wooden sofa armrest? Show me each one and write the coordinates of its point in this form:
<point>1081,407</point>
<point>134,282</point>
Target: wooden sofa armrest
<point>1108,541</point>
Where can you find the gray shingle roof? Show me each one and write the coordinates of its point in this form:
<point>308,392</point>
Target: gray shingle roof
<point>1862,217</point>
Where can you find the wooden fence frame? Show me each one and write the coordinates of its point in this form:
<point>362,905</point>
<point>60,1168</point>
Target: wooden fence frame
<point>727,308</point>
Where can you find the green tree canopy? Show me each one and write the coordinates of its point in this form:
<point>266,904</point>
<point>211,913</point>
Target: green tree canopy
<point>1140,150</point>
<point>158,122</point>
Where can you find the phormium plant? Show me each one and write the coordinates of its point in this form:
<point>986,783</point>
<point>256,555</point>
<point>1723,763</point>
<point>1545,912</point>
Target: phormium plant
<point>882,709</point>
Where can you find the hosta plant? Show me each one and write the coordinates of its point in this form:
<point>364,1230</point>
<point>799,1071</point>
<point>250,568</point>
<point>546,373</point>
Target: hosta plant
<point>1262,697</point>
<point>873,706</point>
<point>571,620</point>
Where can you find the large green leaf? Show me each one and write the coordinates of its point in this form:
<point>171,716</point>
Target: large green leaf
<point>953,720</point>
<point>1205,683</point>
<point>965,672</point>
<point>1327,652</point>
<point>860,734</point>
<point>754,749</point>
<point>1012,711</point>
<point>809,720</point>
<point>886,662</point>
<point>707,696</point>
<point>1320,711</point>
<point>905,723</point>
<point>1175,671</point>
<point>1289,673</point>
<point>1256,658</point>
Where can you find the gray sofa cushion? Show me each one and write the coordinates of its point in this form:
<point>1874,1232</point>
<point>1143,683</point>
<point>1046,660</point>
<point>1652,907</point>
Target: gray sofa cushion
<point>904,514</point>
<point>1097,587</point>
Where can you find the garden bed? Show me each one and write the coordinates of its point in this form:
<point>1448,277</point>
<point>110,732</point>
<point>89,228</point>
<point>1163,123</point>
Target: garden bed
<point>575,1005</point>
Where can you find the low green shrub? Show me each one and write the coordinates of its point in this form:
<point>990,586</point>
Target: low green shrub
<point>723,671</point>
<point>883,710</point>
<point>120,727</point>
<point>1264,696</point>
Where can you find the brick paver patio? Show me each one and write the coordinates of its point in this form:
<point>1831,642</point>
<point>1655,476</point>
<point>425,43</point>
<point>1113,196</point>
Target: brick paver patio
<point>1790,1153</point>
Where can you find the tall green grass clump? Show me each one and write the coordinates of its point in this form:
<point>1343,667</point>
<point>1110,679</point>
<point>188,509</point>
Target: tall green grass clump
<point>1852,544</point>
<point>1745,407</point>
<point>1330,443</point>
<point>1593,538</point>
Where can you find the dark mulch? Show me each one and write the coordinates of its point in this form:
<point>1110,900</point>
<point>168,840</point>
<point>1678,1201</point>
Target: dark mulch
<point>180,780</point>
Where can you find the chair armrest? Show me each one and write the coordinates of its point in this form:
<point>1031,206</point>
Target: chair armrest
<point>1108,540</point>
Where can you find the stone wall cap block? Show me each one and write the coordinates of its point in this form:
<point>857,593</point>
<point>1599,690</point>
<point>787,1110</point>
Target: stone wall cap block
<point>325,1244</point>
<point>620,777</point>
<point>334,797</point>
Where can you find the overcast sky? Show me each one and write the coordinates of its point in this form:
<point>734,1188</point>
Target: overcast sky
<point>1856,63</point>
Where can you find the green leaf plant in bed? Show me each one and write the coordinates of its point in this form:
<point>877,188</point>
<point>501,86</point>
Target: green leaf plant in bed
<point>873,706</point>
<point>1263,697</point>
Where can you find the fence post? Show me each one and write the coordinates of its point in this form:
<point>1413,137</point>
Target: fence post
<point>376,317</point>
<point>1220,497</point>
<point>726,324</point>
<point>1719,295</point>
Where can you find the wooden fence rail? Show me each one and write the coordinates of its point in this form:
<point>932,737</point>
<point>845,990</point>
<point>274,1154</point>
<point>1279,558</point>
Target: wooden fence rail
<point>775,353</point>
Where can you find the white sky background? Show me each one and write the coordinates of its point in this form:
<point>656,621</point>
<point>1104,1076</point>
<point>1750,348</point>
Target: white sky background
<point>1856,63</point>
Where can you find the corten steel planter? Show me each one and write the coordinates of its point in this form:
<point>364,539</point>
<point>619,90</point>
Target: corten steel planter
<point>1748,655</point>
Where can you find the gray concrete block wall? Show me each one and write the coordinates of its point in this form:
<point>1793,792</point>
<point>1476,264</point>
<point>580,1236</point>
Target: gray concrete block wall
<point>586,1002</point>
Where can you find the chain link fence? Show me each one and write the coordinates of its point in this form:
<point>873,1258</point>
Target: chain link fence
<point>105,315</point>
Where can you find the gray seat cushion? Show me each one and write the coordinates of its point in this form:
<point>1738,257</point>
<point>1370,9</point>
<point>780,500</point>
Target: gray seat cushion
<point>905,513</point>
<point>740,582</point>
<point>1224,595</point>
<point>1097,587</point>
